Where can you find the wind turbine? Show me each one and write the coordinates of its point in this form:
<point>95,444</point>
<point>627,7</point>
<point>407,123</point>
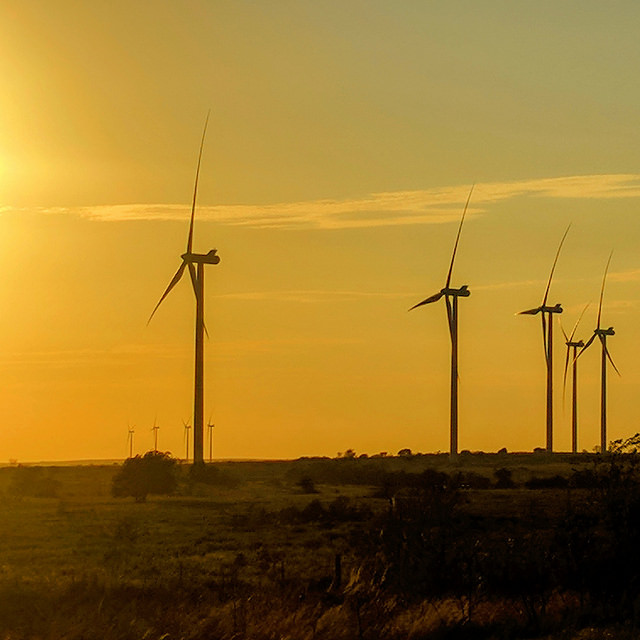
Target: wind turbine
<point>572,356</point>
<point>210,426</point>
<point>130,433</point>
<point>195,262</point>
<point>546,313</point>
<point>187,429</point>
<point>602,335</point>
<point>451,299</point>
<point>155,435</point>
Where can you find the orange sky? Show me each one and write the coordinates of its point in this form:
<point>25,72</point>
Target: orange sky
<point>343,140</point>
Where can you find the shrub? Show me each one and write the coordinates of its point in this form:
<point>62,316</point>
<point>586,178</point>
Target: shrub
<point>471,480</point>
<point>307,485</point>
<point>153,473</point>
<point>503,478</point>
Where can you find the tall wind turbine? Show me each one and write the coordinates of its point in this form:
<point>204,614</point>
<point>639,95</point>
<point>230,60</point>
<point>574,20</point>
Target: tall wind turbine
<point>195,262</point>
<point>130,440</point>
<point>451,299</point>
<point>572,356</point>
<point>187,429</point>
<point>546,313</point>
<point>602,335</point>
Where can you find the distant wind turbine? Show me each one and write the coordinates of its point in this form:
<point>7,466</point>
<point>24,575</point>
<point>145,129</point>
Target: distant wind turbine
<point>572,356</point>
<point>602,335</point>
<point>190,260</point>
<point>546,313</point>
<point>210,426</point>
<point>130,440</point>
<point>187,429</point>
<point>451,299</point>
<point>155,435</point>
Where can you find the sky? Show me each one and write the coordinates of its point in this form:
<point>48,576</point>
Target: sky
<point>343,139</point>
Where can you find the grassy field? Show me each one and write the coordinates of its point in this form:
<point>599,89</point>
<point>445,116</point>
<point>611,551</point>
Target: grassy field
<point>253,552</point>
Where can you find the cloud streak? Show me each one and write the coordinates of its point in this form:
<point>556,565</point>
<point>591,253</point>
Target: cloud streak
<point>309,295</point>
<point>397,208</point>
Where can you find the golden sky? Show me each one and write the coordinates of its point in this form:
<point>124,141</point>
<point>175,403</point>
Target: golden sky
<point>342,142</point>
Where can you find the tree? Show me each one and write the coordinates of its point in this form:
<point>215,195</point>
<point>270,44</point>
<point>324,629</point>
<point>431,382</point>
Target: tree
<point>153,473</point>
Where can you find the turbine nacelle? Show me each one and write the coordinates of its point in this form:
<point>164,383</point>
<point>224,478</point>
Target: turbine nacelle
<point>555,309</point>
<point>463,291</point>
<point>578,344</point>
<point>605,332</point>
<point>543,308</point>
<point>202,258</point>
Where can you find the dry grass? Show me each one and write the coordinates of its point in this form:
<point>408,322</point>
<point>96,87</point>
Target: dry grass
<point>228,562</point>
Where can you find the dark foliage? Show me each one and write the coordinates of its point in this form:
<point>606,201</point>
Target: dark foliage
<point>339,510</point>
<point>211,475</point>
<point>503,478</point>
<point>307,485</point>
<point>471,480</point>
<point>34,482</point>
<point>427,547</point>
<point>153,473</point>
<point>550,482</point>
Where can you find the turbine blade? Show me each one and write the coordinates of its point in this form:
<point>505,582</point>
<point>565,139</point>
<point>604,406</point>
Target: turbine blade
<point>586,346</point>
<point>602,289</point>
<point>194,282</point>
<point>449,316</point>
<point>434,298</point>
<point>194,278</point>
<point>530,312</point>
<point>566,370</point>
<point>573,332</point>
<point>544,337</point>
<point>553,268</point>
<point>606,351</point>
<point>173,283</point>
<point>455,246</point>
<point>564,333</point>
<point>195,186</point>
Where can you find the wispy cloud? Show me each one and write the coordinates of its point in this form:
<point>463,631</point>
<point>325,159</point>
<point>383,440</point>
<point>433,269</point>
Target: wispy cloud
<point>631,275</point>
<point>67,358</point>
<point>427,206</point>
<point>310,296</point>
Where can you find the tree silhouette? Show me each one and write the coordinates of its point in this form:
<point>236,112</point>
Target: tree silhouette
<point>153,473</point>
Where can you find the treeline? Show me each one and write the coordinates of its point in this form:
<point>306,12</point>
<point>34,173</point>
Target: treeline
<point>581,567</point>
<point>370,472</point>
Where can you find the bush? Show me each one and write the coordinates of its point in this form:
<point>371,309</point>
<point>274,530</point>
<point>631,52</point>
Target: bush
<point>503,478</point>
<point>307,485</point>
<point>153,473</point>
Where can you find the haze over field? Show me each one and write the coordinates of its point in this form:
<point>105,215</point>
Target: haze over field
<point>342,143</point>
